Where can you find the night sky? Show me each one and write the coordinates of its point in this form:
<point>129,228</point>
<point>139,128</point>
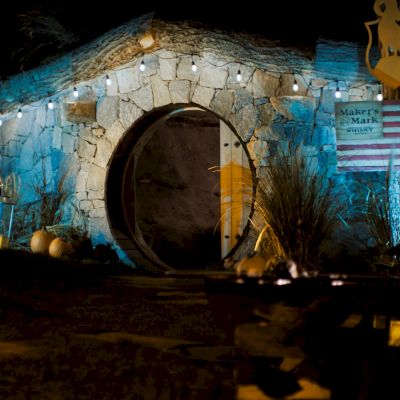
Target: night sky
<point>298,23</point>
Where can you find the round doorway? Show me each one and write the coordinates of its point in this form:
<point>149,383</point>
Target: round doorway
<point>171,204</point>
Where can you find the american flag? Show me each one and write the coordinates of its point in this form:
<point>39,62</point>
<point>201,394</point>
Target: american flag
<point>373,154</point>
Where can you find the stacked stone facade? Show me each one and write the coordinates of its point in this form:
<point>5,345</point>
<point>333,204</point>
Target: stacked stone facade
<point>262,108</point>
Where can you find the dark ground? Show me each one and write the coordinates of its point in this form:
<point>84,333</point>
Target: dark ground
<point>100,332</point>
<point>93,331</point>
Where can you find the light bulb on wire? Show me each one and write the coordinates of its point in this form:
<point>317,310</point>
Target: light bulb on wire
<point>295,86</point>
<point>239,76</point>
<point>379,96</point>
<point>50,105</point>
<point>108,81</point>
<point>194,66</point>
<point>338,93</point>
<point>1,122</point>
<point>142,66</point>
<point>19,113</point>
<point>76,93</point>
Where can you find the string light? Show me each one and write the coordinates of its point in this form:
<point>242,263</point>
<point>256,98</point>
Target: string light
<point>194,68</point>
<point>295,86</point>
<point>338,93</point>
<point>379,96</point>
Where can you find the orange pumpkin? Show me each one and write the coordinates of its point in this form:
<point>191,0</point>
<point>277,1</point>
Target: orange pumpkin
<point>41,240</point>
<point>59,248</point>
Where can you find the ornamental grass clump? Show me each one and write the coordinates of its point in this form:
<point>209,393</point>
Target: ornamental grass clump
<point>297,210</point>
<point>382,218</point>
<point>377,219</point>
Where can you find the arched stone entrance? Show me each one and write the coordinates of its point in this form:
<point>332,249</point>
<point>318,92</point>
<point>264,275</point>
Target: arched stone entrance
<point>162,199</point>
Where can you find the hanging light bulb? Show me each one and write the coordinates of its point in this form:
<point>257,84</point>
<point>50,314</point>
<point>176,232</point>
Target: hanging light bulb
<point>194,66</point>
<point>379,96</point>
<point>338,93</point>
<point>142,66</point>
<point>76,93</point>
<point>239,76</point>
<point>1,122</point>
<point>50,105</point>
<point>108,81</point>
<point>295,86</point>
<point>19,113</point>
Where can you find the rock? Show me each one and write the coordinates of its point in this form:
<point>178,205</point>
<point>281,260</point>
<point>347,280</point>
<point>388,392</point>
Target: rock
<point>179,91</point>
<point>151,63</point>
<point>41,116</point>
<point>103,154</point>
<point>160,91</point>
<point>213,77</point>
<point>245,121</point>
<point>96,177</point>
<point>56,138</point>
<point>112,90</point>
<point>298,108</point>
<point>222,103</point>
<point>115,132</point>
<point>323,135</point>
<point>242,99</point>
<point>264,85</point>
<point>128,113</point>
<point>107,111</point>
<point>128,80</point>
<point>142,97</point>
<point>168,69</point>
<point>98,132</point>
<point>68,143</point>
<point>184,70</point>
<point>202,96</point>
<point>86,150</point>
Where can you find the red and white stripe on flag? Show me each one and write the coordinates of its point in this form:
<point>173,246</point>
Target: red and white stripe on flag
<point>373,154</point>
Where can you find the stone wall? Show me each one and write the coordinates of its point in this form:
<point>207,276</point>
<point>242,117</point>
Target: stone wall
<point>85,132</point>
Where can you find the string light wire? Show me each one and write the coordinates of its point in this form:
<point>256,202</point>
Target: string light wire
<point>194,66</point>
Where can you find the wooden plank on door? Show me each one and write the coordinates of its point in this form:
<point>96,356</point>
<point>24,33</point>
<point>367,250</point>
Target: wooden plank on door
<point>236,189</point>
<point>226,187</point>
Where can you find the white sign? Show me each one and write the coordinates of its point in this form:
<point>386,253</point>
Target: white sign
<point>358,120</point>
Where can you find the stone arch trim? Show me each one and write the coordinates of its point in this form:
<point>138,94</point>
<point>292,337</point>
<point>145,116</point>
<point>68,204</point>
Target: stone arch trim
<point>122,160</point>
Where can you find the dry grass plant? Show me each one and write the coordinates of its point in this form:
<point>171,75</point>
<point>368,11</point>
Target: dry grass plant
<point>10,186</point>
<point>374,209</point>
<point>382,219</point>
<point>50,211</point>
<point>377,219</point>
<point>47,210</point>
<point>298,211</point>
<point>295,214</point>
